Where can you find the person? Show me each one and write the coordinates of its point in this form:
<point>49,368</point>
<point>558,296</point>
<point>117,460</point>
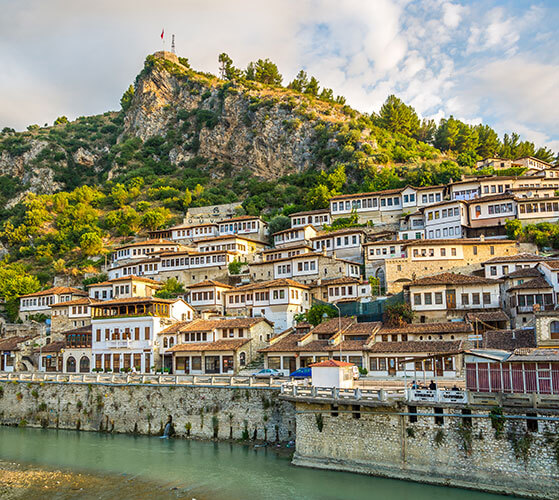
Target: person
<point>433,386</point>
<point>414,385</point>
<point>454,388</point>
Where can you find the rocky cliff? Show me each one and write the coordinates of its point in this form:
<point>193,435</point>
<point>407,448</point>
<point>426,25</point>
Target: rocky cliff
<point>271,131</point>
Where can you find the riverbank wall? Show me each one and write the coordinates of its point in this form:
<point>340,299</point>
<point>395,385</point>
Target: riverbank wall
<point>198,412</point>
<point>488,452</point>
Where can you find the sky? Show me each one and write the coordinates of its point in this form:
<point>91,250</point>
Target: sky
<point>490,61</point>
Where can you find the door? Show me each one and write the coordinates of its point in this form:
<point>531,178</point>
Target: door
<point>1,362</point>
<point>451,299</point>
<point>292,364</point>
<point>439,367</point>
<point>392,366</point>
<point>84,364</point>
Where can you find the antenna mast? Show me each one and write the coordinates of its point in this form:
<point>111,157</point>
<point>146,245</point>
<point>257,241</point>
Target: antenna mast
<point>173,44</point>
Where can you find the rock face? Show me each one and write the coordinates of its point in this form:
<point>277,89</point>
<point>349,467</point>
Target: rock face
<point>270,131</point>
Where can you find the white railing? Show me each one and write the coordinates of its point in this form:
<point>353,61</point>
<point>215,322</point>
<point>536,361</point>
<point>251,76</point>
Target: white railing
<point>437,395</point>
<point>355,394</point>
<point>138,378</point>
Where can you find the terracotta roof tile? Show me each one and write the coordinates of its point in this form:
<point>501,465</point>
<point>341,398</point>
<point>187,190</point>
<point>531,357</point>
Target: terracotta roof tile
<point>509,340</point>
<point>311,212</point>
<point>149,242</point>
<point>56,290</point>
<point>418,346</point>
<point>206,325</point>
<point>76,302</point>
<point>426,328</point>
<point>11,343</point>
<point>269,284</point>
<point>218,345</point>
<point>525,272</point>
<point>453,279</point>
<point>488,316</point>
<point>56,346</point>
<point>209,283</point>
<point>533,284</point>
<point>331,363</point>
<point>519,257</point>
<point>133,300</point>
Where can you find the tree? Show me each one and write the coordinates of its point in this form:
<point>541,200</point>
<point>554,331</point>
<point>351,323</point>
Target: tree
<point>171,289</point>
<point>14,282</point>
<point>300,82</point>
<point>398,314</point>
<point>235,267</point>
<point>319,313</point>
<point>91,243</point>
<point>226,69</point>
<point>279,223</point>
<point>312,87</point>
<point>61,120</point>
<point>155,218</point>
<point>426,131</point>
<point>263,71</point>
<point>446,137</point>
<point>489,143</point>
<point>318,197</point>
<point>514,229</point>
<point>544,154</point>
<point>396,116</point>
<point>126,99</point>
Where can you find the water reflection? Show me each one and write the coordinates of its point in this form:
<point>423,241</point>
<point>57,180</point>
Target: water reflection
<point>207,470</point>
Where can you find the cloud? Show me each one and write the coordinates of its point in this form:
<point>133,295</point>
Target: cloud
<point>440,56</point>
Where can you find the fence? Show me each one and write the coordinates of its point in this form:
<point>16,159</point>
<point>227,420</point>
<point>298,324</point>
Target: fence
<point>367,311</point>
<point>293,390</point>
<point>520,378</point>
<point>139,379</point>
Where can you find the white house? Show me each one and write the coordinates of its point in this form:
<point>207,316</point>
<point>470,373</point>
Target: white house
<point>294,236</point>
<point>208,295</point>
<point>41,302</point>
<point>316,218</point>
<point>246,225</point>
<point>446,219</point>
<point>344,243</point>
<point>124,331</point>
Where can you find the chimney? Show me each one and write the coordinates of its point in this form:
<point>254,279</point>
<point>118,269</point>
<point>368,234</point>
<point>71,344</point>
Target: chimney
<point>481,237</point>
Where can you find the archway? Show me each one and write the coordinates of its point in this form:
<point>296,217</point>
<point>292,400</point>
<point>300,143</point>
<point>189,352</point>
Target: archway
<point>84,364</point>
<point>71,365</point>
<point>242,358</point>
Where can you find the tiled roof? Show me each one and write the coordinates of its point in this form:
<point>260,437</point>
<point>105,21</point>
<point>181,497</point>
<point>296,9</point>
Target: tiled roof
<point>240,218</point>
<point>218,345</point>
<point>490,198</point>
<point>229,237</point>
<point>426,328</point>
<point>331,363</point>
<point>209,283</point>
<point>464,241</point>
<point>52,347</point>
<point>533,284</point>
<point>284,249</point>
<point>76,302</point>
<point>148,242</point>
<point>384,242</point>
<point>453,279</point>
<point>373,193</point>
<point>525,272</point>
<point>11,343</point>
<point>367,328</point>
<point>486,316</point>
<point>133,300</point>
<point>78,330</point>
<point>519,257</point>
<point>269,284</point>
<point>56,290</point>
<point>206,325</point>
<point>418,346</point>
<point>132,277</point>
<point>289,344</point>
<point>348,230</point>
<point>551,263</point>
<point>311,212</point>
<point>509,340</point>
<point>339,281</point>
<point>333,325</point>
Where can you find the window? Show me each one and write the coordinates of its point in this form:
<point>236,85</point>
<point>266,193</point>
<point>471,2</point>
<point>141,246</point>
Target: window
<point>475,250</point>
<point>453,252</point>
<point>475,299</point>
<point>486,298</point>
<point>493,270</point>
<point>465,299</point>
<point>438,298</point>
<point>417,299</point>
<point>428,299</point>
<point>554,330</point>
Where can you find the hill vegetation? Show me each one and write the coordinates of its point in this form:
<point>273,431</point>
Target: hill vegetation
<point>72,191</point>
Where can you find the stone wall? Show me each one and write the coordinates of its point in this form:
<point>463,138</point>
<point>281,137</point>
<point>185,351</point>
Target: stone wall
<point>198,412</point>
<point>381,442</point>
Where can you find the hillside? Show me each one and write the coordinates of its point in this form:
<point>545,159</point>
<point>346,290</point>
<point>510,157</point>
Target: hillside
<point>72,191</point>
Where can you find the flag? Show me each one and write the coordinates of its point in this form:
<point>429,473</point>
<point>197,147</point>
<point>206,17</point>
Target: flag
<point>162,33</point>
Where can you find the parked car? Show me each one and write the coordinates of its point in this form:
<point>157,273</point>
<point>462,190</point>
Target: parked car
<point>268,373</point>
<point>301,373</point>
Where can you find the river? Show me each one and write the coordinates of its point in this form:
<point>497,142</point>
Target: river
<point>194,469</point>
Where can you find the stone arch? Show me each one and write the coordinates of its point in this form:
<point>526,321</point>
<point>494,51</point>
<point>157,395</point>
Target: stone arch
<point>243,358</point>
<point>381,276</point>
<point>71,364</point>
<point>84,364</point>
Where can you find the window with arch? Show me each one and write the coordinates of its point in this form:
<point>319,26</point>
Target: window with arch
<point>242,358</point>
<point>71,364</point>
<point>165,343</point>
<point>171,341</point>
<point>554,330</point>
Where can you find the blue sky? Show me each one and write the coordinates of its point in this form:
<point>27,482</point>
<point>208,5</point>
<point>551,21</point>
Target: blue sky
<point>482,61</point>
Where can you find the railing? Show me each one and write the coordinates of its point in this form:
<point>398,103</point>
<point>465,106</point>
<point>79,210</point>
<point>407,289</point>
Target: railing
<point>437,395</point>
<point>149,379</point>
<point>334,393</point>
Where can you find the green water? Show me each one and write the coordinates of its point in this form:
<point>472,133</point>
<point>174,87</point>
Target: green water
<point>206,470</point>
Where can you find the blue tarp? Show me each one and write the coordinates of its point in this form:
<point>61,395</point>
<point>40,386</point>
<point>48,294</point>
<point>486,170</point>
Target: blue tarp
<point>301,373</point>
